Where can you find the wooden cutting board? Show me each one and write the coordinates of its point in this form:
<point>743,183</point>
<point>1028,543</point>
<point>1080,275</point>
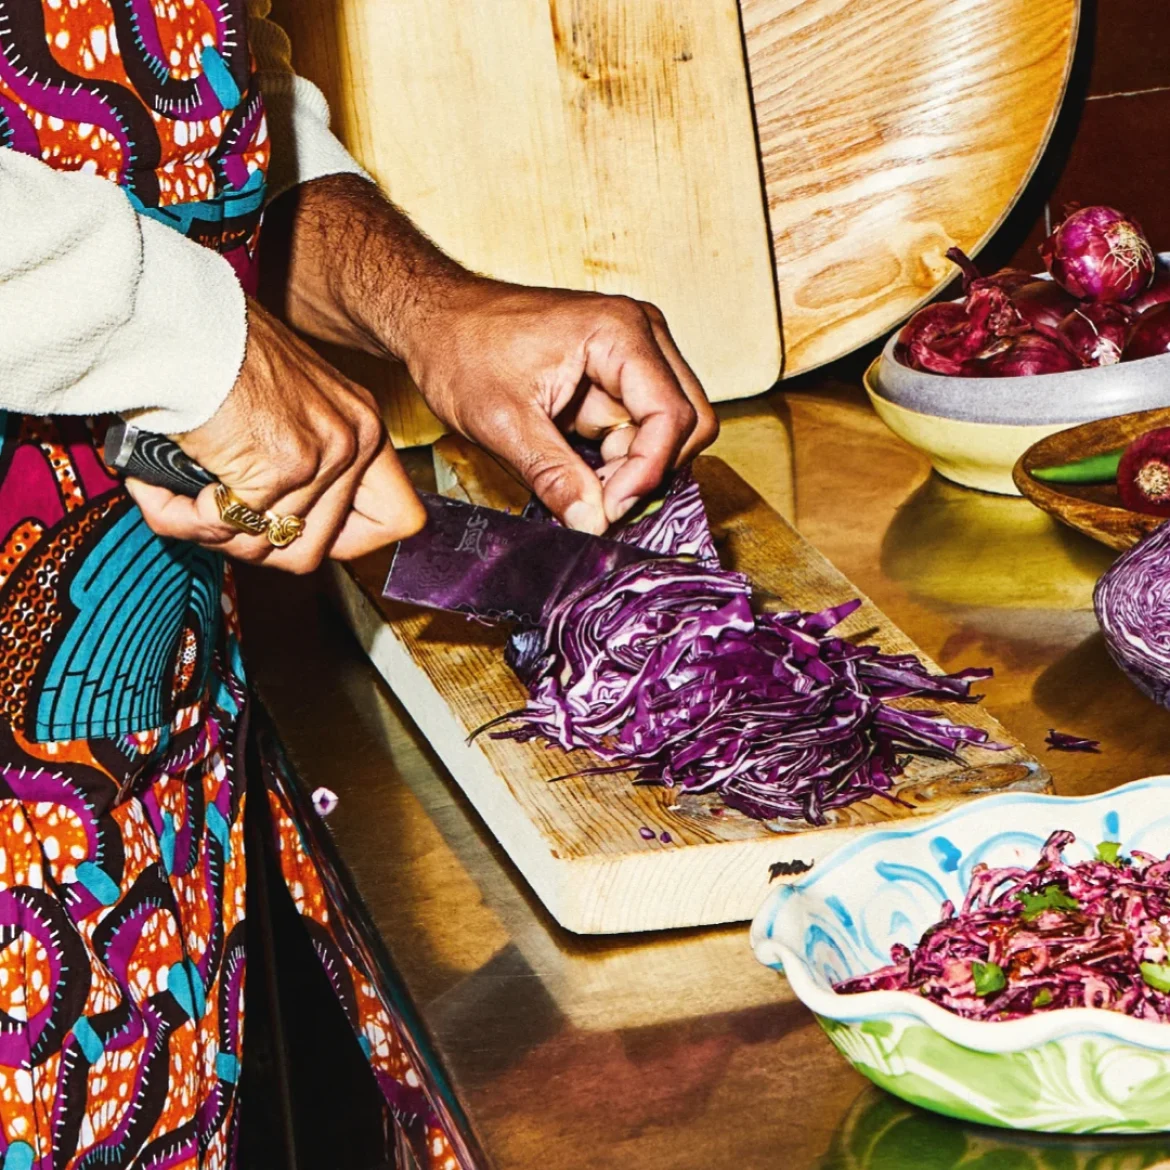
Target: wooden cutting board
<point>578,841</point>
<point>592,144</point>
<point>891,130</point>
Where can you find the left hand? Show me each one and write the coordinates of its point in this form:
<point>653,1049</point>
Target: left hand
<point>511,367</point>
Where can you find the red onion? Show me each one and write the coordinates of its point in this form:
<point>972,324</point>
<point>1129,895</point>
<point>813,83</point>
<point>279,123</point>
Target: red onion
<point>1143,477</point>
<point>1029,354</point>
<point>1157,294</point>
<point>1097,333</point>
<point>1150,337</point>
<point>1008,279</point>
<point>951,338</point>
<point>1043,305</point>
<point>935,339</point>
<point>1099,254</point>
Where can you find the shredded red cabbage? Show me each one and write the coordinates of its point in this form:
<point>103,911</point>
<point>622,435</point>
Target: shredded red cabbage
<point>664,669</point>
<point>1090,934</point>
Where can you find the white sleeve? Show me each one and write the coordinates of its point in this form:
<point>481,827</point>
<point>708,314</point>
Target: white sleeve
<point>103,310</point>
<point>303,148</point>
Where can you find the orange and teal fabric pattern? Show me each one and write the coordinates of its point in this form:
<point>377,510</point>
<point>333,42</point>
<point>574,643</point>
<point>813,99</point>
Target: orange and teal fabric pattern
<point>124,706</point>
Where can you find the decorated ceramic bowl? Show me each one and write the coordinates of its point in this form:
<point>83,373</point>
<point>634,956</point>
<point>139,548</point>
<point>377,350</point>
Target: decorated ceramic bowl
<point>1076,1070</point>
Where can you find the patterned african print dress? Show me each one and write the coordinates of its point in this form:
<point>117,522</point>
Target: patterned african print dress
<point>124,709</point>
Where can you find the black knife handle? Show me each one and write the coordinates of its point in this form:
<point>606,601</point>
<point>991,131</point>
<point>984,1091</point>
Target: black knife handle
<point>154,459</point>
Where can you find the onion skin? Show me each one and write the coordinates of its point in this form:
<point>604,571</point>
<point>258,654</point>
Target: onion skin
<point>1143,476</point>
<point>1157,294</point>
<point>1099,254</point>
<point>1132,602</point>
<point>1150,337</point>
<point>1028,355</point>
<point>1098,334</point>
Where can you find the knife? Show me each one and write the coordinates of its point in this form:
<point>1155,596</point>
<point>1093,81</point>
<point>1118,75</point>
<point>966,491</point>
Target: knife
<point>468,559</point>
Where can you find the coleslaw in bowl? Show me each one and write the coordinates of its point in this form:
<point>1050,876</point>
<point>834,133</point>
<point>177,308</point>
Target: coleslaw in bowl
<point>1074,1070</point>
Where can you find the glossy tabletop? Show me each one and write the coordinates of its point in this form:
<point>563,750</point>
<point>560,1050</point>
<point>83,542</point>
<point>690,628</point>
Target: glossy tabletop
<point>678,1050</point>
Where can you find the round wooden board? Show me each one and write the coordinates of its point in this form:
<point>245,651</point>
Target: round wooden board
<point>1093,509</point>
<point>890,131</point>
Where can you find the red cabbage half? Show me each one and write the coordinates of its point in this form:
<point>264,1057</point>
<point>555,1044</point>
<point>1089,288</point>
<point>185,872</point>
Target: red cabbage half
<point>1132,601</point>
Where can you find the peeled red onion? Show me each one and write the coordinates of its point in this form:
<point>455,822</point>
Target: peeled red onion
<point>1043,304</point>
<point>1157,294</point>
<point>1097,333</point>
<point>1099,254</point>
<point>1029,354</point>
<point>1132,601</point>
<point>1150,337</point>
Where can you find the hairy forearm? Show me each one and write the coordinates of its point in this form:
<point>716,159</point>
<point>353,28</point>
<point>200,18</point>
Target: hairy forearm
<point>347,267</point>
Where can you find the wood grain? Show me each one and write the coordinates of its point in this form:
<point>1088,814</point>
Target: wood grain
<point>577,840</point>
<point>591,144</point>
<point>891,130</point>
<point>1094,509</point>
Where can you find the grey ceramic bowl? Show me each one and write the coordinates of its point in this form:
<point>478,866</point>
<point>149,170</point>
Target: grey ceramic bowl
<point>1076,397</point>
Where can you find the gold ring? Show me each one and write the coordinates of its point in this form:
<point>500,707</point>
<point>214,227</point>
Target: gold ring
<point>283,530</point>
<point>236,514</point>
<point>625,424</point>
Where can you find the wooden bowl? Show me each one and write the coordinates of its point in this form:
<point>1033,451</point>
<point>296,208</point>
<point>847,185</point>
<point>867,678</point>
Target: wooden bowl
<point>1093,509</point>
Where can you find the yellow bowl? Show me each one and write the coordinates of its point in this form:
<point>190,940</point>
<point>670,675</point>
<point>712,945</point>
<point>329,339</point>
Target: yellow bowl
<point>977,455</point>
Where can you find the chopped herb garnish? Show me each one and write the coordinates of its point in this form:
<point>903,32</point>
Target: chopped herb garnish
<point>1108,851</point>
<point>1157,975</point>
<point>1042,998</point>
<point>1051,898</point>
<point>989,977</point>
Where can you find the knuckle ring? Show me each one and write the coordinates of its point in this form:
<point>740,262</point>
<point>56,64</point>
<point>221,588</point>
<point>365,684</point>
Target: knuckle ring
<point>280,530</point>
<point>236,514</point>
<point>283,530</point>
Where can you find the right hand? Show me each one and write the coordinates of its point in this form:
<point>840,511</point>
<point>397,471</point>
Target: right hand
<point>293,437</point>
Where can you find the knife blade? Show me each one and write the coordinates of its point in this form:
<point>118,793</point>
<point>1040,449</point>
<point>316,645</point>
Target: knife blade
<point>495,565</point>
<point>468,559</point>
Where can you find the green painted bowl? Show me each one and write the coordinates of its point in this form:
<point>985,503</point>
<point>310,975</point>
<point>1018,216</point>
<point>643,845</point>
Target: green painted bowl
<point>1080,1070</point>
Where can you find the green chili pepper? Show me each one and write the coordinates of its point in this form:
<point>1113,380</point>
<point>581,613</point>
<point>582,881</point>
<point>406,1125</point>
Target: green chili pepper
<point>1100,468</point>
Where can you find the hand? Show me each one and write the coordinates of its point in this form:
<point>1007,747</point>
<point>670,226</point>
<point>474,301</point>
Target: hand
<point>508,366</point>
<point>512,368</point>
<point>296,438</point>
